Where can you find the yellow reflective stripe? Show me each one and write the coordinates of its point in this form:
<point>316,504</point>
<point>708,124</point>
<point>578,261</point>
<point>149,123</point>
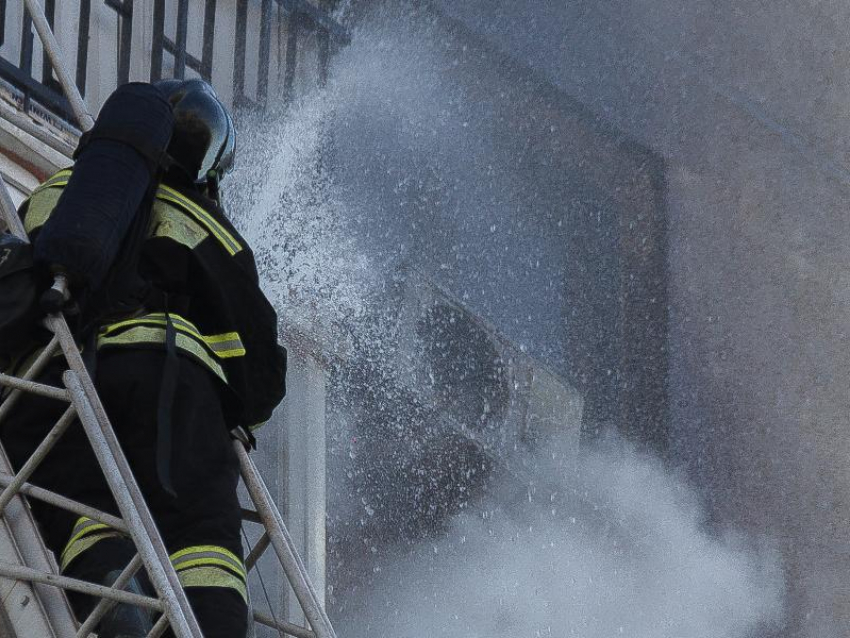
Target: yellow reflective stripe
<point>42,201</point>
<point>158,319</point>
<point>72,550</point>
<point>169,222</point>
<point>205,549</point>
<point>168,194</point>
<point>58,179</point>
<point>41,205</point>
<point>224,346</point>
<point>83,526</point>
<point>147,334</point>
<point>199,562</point>
<point>213,577</point>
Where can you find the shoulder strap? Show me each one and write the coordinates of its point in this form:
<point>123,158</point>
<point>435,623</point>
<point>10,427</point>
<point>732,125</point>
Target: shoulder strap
<point>160,159</point>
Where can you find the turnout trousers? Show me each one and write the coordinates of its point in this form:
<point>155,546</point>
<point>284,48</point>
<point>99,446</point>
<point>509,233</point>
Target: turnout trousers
<point>200,526</point>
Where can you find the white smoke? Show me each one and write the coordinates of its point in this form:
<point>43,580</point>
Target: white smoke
<point>614,547</point>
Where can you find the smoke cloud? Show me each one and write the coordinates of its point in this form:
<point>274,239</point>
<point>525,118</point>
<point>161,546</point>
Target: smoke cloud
<point>614,546</point>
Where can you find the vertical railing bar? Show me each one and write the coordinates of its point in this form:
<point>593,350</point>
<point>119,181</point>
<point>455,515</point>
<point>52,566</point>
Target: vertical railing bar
<point>239,51</point>
<point>158,44</point>
<point>27,41</point>
<point>37,457</point>
<point>181,40</point>
<point>83,45</point>
<point>46,67</point>
<point>209,37</point>
<point>103,607</point>
<point>293,26</point>
<point>126,17</point>
<point>265,51</point>
<point>51,48</point>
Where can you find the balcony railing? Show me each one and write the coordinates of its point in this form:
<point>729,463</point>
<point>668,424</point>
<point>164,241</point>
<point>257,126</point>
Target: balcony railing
<point>250,50</point>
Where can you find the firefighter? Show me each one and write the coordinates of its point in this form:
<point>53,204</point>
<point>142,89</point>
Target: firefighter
<point>177,335</point>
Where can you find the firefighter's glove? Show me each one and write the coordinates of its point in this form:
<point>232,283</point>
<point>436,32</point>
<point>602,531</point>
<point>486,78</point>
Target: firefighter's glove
<point>56,298</point>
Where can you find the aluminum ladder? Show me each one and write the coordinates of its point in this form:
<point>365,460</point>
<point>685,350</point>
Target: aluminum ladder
<point>36,605</point>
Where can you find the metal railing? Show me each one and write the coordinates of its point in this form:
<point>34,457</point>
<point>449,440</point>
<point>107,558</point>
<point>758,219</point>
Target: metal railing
<point>227,43</point>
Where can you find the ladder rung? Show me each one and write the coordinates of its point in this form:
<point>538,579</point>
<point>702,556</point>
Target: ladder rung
<point>251,516</point>
<point>52,498</point>
<point>258,550</point>
<point>33,371</point>
<point>287,628</point>
<point>34,576</point>
<point>36,388</point>
<point>37,457</point>
<point>159,628</point>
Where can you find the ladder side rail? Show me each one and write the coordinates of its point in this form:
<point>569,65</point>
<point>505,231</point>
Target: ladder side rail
<point>19,520</point>
<point>127,494</point>
<point>284,546</point>
<point>19,527</point>
<point>181,616</point>
<point>158,563</point>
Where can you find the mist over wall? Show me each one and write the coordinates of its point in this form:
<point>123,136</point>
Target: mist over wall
<point>743,106</point>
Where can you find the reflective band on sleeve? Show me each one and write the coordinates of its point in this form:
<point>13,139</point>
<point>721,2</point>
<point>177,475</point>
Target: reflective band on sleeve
<point>226,345</point>
<point>150,335</point>
<point>72,551</point>
<point>212,577</point>
<point>164,193</point>
<point>85,525</point>
<point>86,533</point>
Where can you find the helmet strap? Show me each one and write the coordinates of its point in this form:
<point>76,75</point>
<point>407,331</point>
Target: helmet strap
<point>213,180</point>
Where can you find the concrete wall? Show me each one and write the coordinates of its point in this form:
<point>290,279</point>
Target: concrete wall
<point>747,103</point>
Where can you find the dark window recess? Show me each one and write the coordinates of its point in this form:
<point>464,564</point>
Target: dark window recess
<point>2,22</point>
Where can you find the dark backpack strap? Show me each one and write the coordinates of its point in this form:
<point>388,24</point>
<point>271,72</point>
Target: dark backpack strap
<point>159,159</point>
<point>165,406</point>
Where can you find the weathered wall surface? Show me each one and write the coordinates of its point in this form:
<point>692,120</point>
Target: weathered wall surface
<point>747,102</point>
